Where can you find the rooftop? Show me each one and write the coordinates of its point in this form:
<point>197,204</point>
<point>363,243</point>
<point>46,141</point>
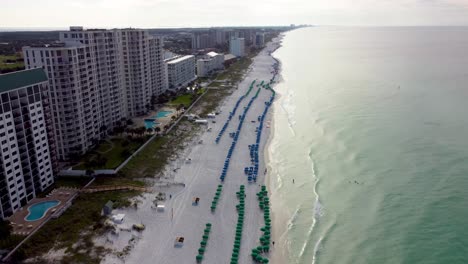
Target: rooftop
<point>229,57</point>
<point>178,59</point>
<point>19,79</point>
<point>212,54</point>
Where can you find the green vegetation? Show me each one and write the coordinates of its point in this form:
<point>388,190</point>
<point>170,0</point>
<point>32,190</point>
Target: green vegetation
<point>110,154</point>
<point>8,240</point>
<point>185,99</point>
<point>74,182</point>
<point>235,72</point>
<point>75,229</point>
<point>9,63</point>
<point>118,181</point>
<point>153,158</point>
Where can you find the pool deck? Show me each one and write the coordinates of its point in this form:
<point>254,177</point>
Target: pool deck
<point>140,121</point>
<point>23,227</point>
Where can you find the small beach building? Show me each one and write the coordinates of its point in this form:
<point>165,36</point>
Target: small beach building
<point>107,209</point>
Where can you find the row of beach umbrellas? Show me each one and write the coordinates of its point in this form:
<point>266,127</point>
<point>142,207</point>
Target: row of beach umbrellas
<point>203,243</point>
<point>265,239</point>
<point>231,114</point>
<point>252,172</point>
<point>240,225</point>
<point>236,137</point>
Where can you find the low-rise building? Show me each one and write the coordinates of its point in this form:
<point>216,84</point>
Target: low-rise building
<point>27,157</point>
<point>237,46</point>
<point>180,71</point>
<point>210,63</point>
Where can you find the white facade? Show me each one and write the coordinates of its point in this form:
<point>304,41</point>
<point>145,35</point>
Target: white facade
<point>97,79</point>
<point>26,159</point>
<point>210,63</point>
<point>180,71</point>
<point>237,46</point>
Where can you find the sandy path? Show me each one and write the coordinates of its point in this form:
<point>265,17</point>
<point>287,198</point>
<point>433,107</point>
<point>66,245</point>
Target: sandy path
<point>201,177</point>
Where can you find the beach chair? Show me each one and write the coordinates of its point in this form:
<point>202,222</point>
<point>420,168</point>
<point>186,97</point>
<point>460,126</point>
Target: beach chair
<point>179,242</point>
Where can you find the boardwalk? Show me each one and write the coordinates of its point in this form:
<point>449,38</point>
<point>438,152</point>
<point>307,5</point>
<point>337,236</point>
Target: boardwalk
<point>105,188</point>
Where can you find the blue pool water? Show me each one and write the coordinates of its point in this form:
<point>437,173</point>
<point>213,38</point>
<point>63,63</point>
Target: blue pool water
<point>149,123</point>
<point>38,210</point>
<point>162,114</point>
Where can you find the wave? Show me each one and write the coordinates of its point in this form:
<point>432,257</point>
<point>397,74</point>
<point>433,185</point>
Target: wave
<point>289,108</point>
<point>318,210</point>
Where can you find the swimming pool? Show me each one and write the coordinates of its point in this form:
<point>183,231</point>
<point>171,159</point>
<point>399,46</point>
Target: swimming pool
<point>149,123</point>
<point>38,210</point>
<point>162,114</point>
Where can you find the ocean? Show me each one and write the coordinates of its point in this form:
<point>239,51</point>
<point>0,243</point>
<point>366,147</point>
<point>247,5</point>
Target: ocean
<point>372,127</point>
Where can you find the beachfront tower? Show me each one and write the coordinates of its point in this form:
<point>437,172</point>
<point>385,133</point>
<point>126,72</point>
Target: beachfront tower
<point>237,46</point>
<point>27,157</point>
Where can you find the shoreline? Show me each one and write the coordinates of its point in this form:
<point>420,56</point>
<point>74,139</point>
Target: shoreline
<point>279,217</point>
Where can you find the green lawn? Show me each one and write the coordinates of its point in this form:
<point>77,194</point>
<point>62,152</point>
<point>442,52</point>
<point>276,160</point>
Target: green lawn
<point>185,99</point>
<point>18,64</point>
<point>75,182</point>
<point>115,153</point>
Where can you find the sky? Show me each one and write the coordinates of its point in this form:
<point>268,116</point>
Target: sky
<point>206,13</point>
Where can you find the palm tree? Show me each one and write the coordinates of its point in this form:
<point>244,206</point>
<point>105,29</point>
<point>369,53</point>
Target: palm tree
<point>140,131</point>
<point>149,130</point>
<point>157,129</point>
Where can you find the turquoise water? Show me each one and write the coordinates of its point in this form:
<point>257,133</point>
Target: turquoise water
<point>38,210</point>
<point>372,125</point>
<point>162,114</point>
<point>149,123</point>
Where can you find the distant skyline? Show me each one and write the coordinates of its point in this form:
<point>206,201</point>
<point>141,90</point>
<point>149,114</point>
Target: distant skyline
<point>206,13</point>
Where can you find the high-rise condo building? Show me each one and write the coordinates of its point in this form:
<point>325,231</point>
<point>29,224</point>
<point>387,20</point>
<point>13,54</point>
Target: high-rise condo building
<point>97,78</point>
<point>259,40</point>
<point>27,155</point>
<point>237,46</point>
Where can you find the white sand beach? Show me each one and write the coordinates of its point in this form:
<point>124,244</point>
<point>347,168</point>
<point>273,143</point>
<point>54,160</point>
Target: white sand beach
<point>200,178</point>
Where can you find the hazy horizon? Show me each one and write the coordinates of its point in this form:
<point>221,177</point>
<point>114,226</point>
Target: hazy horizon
<point>197,13</point>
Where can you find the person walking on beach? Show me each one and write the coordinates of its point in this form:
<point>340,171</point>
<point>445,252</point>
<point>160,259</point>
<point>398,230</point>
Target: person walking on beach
<point>293,180</point>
